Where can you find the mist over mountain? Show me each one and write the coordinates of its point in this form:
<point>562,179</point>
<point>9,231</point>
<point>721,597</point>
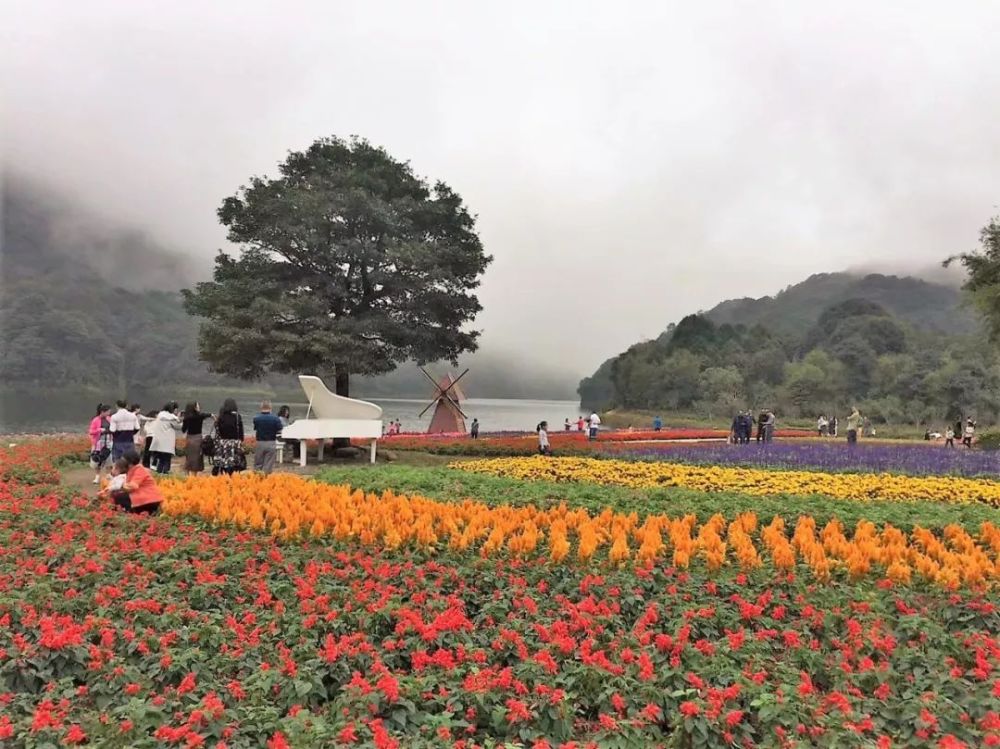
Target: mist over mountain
<point>954,275</point>
<point>46,232</point>
<point>89,304</point>
<point>925,304</point>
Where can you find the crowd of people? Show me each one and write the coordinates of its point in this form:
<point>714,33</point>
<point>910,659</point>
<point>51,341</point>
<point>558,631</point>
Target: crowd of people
<point>130,444</point>
<point>741,429</point>
<point>743,423</point>
<point>149,440</point>
<point>966,433</point>
<point>591,425</point>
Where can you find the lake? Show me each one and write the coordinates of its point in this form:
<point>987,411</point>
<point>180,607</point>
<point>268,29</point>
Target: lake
<point>72,413</point>
<point>494,414</point>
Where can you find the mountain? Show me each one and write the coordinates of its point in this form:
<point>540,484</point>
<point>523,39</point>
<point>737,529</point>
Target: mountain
<point>903,348</point>
<point>84,305</point>
<point>90,305</point>
<point>925,305</point>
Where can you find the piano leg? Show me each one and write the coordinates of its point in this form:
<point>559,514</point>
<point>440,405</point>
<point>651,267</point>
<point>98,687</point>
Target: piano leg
<point>302,453</point>
<point>374,442</point>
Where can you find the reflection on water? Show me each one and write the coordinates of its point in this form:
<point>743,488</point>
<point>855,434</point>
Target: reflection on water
<point>72,412</point>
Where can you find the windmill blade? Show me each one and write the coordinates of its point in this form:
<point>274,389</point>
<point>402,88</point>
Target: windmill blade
<point>443,396</point>
<point>452,399</point>
<point>455,381</point>
<point>454,403</point>
<point>434,382</point>
<point>437,392</point>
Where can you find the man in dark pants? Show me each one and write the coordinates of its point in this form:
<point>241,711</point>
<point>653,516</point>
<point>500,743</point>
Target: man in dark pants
<point>853,425</point>
<point>267,427</point>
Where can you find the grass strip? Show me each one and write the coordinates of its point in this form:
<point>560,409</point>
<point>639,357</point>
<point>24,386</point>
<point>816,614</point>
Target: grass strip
<point>452,485</point>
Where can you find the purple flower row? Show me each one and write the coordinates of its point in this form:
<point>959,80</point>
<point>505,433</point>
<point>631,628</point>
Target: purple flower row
<point>915,459</point>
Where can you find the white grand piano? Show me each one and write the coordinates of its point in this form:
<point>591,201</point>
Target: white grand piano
<point>334,416</point>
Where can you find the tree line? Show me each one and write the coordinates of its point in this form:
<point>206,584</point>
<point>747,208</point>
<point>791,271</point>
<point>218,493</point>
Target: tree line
<point>857,354</point>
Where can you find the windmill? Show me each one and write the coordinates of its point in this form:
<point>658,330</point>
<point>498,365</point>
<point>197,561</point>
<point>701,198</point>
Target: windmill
<point>448,414</point>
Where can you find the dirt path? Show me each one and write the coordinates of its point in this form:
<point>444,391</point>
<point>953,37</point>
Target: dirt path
<point>80,478</point>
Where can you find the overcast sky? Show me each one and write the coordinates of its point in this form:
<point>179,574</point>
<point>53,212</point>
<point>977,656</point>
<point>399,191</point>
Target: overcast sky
<point>629,162</point>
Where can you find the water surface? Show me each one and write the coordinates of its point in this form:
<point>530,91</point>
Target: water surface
<point>72,412</point>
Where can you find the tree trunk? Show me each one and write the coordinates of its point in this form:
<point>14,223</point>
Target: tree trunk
<point>342,387</point>
<point>343,380</point>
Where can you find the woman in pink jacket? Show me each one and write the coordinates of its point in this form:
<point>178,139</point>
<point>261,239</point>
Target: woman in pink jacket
<point>100,440</point>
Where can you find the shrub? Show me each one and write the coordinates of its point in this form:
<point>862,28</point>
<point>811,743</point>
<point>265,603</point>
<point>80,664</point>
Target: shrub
<point>989,440</point>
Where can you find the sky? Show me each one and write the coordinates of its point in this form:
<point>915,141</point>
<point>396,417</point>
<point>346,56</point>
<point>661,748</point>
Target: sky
<point>629,162</point>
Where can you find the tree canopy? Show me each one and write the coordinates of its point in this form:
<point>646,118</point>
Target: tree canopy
<point>983,282</point>
<point>349,264</point>
<point>858,354</point>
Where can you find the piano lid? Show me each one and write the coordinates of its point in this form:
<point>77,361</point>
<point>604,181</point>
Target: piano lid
<point>327,405</point>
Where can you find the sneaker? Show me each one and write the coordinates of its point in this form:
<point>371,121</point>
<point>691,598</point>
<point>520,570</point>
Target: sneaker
<point>97,479</point>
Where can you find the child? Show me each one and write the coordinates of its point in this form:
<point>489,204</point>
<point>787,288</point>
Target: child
<point>543,439</point>
<point>949,437</point>
<point>117,482</point>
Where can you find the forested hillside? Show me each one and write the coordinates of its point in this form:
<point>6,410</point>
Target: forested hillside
<point>925,305</point>
<point>85,305</point>
<point>902,349</point>
<point>79,306</point>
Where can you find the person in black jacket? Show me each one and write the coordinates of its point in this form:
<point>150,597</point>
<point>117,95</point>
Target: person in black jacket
<point>192,423</point>
<point>229,453</point>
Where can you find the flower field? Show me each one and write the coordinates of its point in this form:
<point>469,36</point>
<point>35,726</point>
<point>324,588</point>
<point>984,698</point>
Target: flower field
<point>855,486</point>
<point>280,612</point>
<point>289,506</point>
<point>904,457</point>
<point>573,443</point>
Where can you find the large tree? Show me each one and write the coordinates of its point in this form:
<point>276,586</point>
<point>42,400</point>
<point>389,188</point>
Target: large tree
<point>983,282</point>
<point>349,264</point>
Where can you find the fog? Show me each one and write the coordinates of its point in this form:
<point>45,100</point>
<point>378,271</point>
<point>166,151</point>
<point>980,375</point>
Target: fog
<point>629,162</point>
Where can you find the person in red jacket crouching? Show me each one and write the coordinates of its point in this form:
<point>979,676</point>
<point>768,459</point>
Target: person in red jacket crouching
<point>140,494</point>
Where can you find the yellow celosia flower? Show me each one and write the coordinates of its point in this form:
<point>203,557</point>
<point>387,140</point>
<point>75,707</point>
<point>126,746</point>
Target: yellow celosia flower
<point>290,506</point>
<point>645,475</point>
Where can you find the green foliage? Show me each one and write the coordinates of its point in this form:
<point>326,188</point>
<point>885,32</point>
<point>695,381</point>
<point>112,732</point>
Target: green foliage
<point>983,268</point>
<point>451,485</point>
<point>858,351</point>
<point>349,264</point>
<point>934,307</point>
<point>722,390</point>
<point>597,391</point>
<point>87,304</point>
<point>70,326</point>
<point>989,440</point>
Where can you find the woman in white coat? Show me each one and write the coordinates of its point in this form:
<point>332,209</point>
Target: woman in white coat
<point>163,432</point>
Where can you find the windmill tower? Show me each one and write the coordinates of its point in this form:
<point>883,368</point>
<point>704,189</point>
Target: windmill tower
<point>448,415</point>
